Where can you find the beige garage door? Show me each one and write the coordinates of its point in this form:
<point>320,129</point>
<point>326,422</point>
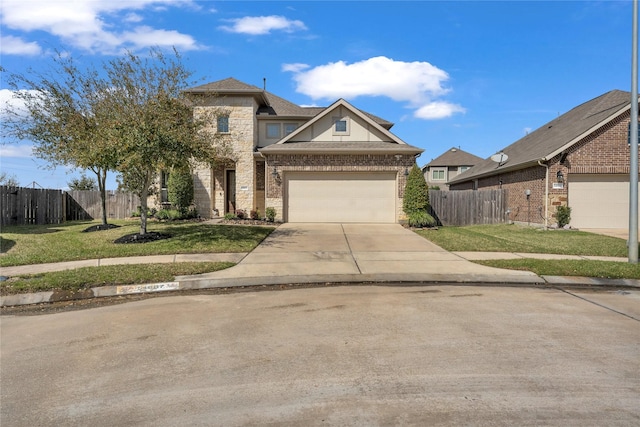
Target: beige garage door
<point>340,197</point>
<point>599,201</point>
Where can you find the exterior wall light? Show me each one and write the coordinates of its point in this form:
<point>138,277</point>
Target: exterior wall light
<point>560,176</point>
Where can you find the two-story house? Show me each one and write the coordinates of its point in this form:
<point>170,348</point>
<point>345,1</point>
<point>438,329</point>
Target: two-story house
<point>311,164</point>
<point>447,166</point>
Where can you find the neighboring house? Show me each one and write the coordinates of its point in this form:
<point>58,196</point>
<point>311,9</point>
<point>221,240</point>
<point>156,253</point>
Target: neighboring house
<point>447,166</point>
<point>311,164</point>
<point>580,159</point>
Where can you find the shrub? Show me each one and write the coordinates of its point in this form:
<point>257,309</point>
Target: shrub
<point>180,188</point>
<point>416,192</point>
<point>228,216</point>
<point>563,215</point>
<point>271,214</point>
<point>241,214</point>
<point>138,211</point>
<point>420,219</point>
<point>169,214</point>
<point>255,214</point>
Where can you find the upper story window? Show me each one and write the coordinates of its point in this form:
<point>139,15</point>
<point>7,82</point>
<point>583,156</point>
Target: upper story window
<point>464,168</point>
<point>438,174</point>
<point>273,130</point>
<point>289,128</point>
<point>340,126</point>
<point>223,124</point>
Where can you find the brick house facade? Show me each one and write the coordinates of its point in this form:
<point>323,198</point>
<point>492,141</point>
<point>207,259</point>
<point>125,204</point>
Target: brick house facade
<point>580,160</point>
<point>281,153</point>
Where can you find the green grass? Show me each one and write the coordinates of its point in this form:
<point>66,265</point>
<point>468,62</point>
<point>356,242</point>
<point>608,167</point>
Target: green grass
<point>515,238</point>
<point>586,268</point>
<point>88,277</point>
<point>24,245</point>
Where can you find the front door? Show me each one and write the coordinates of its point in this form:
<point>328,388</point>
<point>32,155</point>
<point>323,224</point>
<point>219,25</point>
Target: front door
<point>230,205</point>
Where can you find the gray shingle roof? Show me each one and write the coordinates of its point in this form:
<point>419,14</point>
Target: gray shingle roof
<point>270,104</point>
<point>553,136</point>
<point>454,157</point>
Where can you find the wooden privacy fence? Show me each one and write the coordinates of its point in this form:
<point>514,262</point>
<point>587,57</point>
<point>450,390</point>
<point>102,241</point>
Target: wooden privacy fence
<point>24,206</point>
<point>468,207</point>
<point>83,205</point>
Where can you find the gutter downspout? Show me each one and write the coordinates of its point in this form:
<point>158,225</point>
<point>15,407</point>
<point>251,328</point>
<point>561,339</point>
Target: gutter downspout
<point>546,192</point>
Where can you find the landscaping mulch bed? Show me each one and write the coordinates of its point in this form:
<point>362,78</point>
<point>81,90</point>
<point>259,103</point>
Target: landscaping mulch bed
<point>151,236</point>
<point>238,221</point>
<point>100,227</point>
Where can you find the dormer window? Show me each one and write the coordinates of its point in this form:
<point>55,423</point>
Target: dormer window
<point>340,126</point>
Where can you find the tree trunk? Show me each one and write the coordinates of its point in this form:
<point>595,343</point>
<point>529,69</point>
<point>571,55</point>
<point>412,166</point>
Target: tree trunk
<point>102,187</point>
<point>143,204</point>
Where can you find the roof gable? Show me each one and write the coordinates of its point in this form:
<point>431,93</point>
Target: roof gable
<point>555,136</point>
<point>454,157</point>
<point>340,108</point>
<point>364,134</point>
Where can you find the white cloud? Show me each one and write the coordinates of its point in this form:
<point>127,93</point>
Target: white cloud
<point>90,25</point>
<point>16,46</point>
<point>16,151</point>
<point>438,110</point>
<point>258,25</point>
<point>294,68</point>
<point>527,130</point>
<point>146,36</point>
<point>419,84</point>
<point>9,102</point>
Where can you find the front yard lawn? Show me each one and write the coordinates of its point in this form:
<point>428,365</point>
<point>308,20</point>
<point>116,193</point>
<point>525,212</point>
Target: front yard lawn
<point>24,245</point>
<point>89,277</point>
<point>515,238</point>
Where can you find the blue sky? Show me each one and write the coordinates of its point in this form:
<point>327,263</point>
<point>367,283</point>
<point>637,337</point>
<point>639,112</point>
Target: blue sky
<point>476,74</point>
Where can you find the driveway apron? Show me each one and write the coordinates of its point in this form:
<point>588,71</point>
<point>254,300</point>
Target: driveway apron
<point>314,252</point>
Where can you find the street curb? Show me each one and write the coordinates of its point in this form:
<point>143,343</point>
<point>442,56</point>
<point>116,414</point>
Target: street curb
<point>378,279</point>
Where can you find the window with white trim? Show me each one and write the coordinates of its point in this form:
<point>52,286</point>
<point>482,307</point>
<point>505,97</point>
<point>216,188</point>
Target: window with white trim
<point>438,175</point>
<point>464,168</point>
<point>273,130</point>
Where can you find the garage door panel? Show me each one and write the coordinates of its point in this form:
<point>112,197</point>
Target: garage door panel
<point>341,197</point>
<point>599,201</point>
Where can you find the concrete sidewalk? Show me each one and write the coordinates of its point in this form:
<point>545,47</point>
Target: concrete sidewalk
<point>325,253</point>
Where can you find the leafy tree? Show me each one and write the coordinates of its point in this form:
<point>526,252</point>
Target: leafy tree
<point>154,121</point>
<point>415,203</point>
<point>8,180</point>
<point>66,117</point>
<point>180,188</point>
<point>82,183</point>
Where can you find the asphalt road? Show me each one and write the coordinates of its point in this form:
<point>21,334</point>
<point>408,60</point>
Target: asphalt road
<point>356,355</point>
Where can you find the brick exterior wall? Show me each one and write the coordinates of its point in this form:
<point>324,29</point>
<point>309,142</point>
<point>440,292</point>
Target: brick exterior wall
<point>605,151</point>
<point>332,163</point>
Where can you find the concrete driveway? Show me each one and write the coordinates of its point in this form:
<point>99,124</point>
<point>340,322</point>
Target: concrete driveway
<point>305,253</point>
<point>330,356</point>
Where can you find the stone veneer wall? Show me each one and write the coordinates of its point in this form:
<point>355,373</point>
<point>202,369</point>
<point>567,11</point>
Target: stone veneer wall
<point>243,132</point>
<point>333,163</point>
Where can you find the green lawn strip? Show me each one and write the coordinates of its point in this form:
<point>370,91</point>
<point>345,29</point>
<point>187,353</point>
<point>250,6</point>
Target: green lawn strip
<point>24,245</point>
<point>586,268</point>
<point>89,277</point>
<point>515,238</point>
